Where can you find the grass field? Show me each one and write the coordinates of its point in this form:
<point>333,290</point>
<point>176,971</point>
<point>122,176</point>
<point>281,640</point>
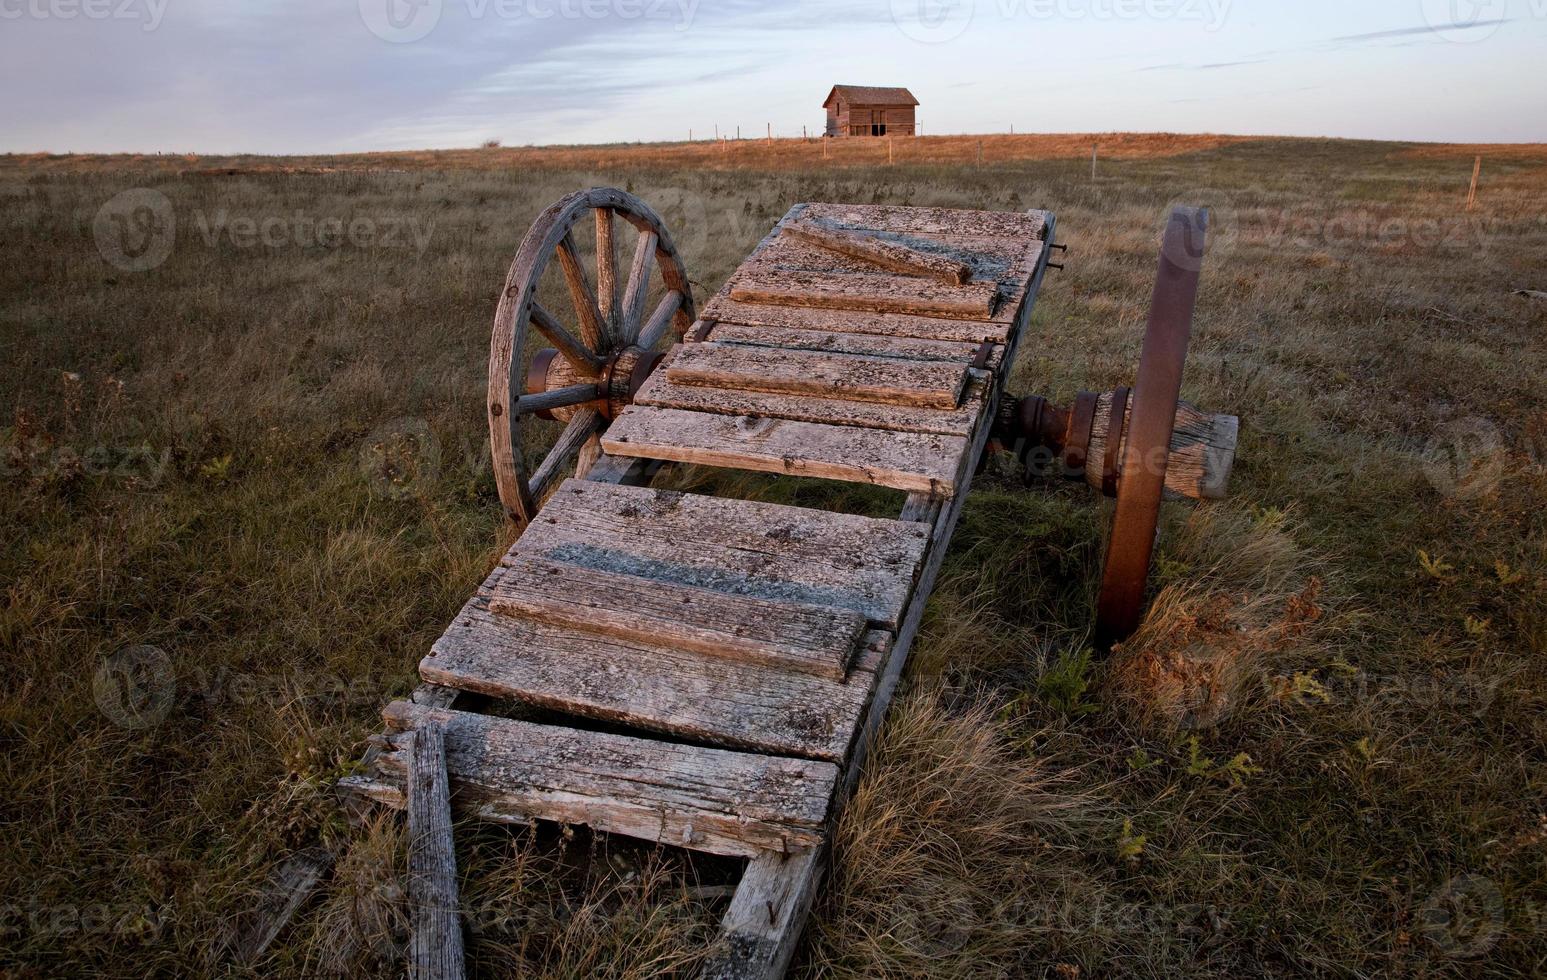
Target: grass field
<point>246,486</point>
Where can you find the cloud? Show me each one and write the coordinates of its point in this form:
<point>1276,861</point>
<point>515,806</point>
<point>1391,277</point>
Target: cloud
<point>1425,29</point>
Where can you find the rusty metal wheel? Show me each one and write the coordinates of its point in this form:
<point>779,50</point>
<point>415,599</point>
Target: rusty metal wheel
<point>1141,479</point>
<point>603,345</point>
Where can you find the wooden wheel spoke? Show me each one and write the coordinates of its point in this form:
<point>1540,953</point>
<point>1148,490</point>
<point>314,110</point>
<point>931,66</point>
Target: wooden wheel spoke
<point>571,349</point>
<point>609,289</point>
<point>660,320</point>
<point>638,285</point>
<point>556,467</point>
<point>592,327</point>
<point>547,401</point>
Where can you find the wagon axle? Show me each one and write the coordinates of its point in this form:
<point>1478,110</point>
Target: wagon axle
<point>617,381</point>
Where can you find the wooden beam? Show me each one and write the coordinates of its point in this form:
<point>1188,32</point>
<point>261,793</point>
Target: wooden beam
<point>888,255</point>
<point>435,943</point>
<point>901,460</point>
<point>849,377</point>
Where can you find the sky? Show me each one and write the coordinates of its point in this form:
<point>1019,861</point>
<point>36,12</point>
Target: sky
<point>328,76</point>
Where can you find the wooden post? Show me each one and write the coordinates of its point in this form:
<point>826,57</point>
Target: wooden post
<point>824,148</point>
<point>770,132</point>
<point>891,151</point>
<point>980,153</point>
<point>1093,161</point>
<point>738,133</point>
<point>435,944</point>
<point>717,132</point>
<point>1477,171</point>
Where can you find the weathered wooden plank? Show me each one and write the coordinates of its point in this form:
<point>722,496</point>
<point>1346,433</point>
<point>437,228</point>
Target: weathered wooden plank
<point>1201,456</point>
<point>743,547</point>
<point>852,377</point>
<point>711,699</point>
<point>289,887</point>
<point>1000,260</point>
<point>763,924</point>
<point>707,799</point>
<point>901,460</point>
<point>878,293</point>
<point>435,937</point>
<point>724,310</point>
<point>886,254</point>
<point>928,221</point>
<point>874,345</point>
<point>796,636</point>
<point>661,392</point>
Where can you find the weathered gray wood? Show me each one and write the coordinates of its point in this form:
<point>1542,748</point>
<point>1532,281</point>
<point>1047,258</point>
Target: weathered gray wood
<point>711,699</point>
<point>609,288</point>
<point>291,884</point>
<point>850,377</point>
<point>743,547</point>
<point>584,361</point>
<point>556,466</point>
<point>902,460</point>
<point>661,392</point>
<point>722,309</point>
<point>1202,452</point>
<point>706,799</point>
<point>638,286</point>
<point>928,221</point>
<point>878,293</point>
<point>435,940</point>
<point>796,636</point>
<point>875,345</point>
<point>593,329</point>
<point>619,470</point>
<point>886,254</point>
<point>565,397</point>
<point>761,929</point>
<point>660,321</point>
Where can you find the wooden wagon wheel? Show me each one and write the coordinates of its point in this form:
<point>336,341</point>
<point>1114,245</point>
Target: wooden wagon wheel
<point>602,351</point>
<point>1146,445</point>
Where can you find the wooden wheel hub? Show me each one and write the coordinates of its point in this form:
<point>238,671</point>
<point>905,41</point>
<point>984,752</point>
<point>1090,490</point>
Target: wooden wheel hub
<point>619,380</point>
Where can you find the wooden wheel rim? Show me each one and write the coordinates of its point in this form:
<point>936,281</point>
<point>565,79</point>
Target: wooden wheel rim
<point>1141,484</point>
<point>610,316</point>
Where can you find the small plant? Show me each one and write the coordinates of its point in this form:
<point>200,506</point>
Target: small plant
<point>1065,682</point>
<point>1130,846</point>
<point>1140,760</point>
<point>1436,567</point>
<point>1234,772</point>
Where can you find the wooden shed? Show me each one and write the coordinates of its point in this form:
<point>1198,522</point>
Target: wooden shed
<point>865,110</point>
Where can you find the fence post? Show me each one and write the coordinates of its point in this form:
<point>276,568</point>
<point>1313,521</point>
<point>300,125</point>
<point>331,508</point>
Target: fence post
<point>1471,195</point>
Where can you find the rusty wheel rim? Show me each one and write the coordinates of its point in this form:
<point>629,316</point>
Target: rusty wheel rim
<point>606,324</point>
<point>1142,477</point>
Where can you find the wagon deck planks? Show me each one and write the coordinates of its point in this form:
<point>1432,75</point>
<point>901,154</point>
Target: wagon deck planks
<point>855,377</point>
<point>719,801</point>
<point>807,638</point>
<point>912,461</point>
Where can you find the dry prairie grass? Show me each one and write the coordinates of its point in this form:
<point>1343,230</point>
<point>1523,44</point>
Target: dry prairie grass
<point>193,464</point>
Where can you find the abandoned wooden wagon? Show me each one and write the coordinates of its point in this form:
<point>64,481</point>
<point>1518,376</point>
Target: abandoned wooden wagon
<point>709,672</point>
<point>864,110</point>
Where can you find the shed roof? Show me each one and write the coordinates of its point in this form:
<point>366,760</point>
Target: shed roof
<point>870,95</point>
